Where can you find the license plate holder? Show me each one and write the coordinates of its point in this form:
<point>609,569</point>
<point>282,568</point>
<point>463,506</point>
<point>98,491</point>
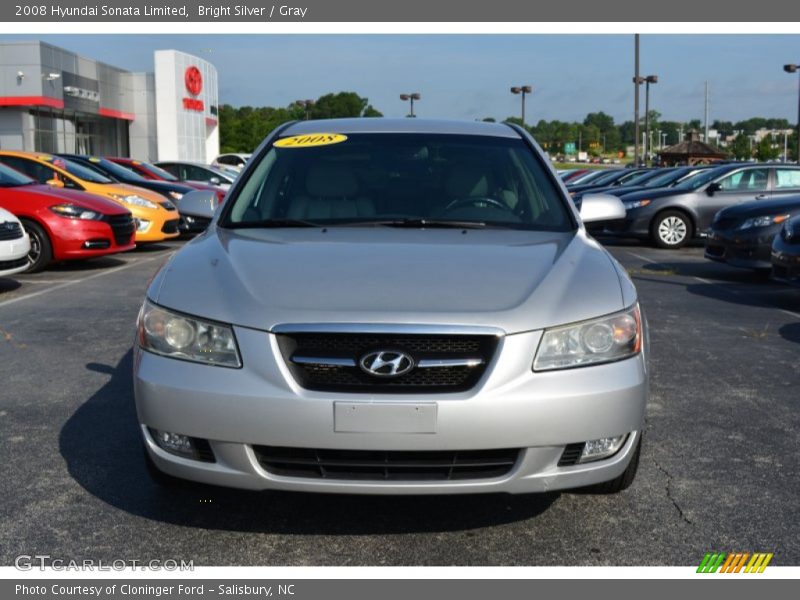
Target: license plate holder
<point>384,417</point>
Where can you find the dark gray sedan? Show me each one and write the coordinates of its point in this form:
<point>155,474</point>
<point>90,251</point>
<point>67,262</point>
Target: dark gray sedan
<point>671,217</point>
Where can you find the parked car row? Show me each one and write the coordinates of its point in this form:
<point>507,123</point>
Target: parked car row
<point>749,214</point>
<point>77,207</point>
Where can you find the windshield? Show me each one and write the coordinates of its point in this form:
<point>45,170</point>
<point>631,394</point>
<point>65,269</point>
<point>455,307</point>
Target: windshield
<point>11,178</point>
<point>607,178</point>
<point>665,179</point>
<point>590,176</point>
<point>81,172</point>
<point>700,179</point>
<point>638,178</point>
<point>115,170</point>
<point>401,180</point>
<point>158,171</point>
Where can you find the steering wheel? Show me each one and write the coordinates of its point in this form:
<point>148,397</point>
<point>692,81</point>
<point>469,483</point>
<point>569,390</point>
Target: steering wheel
<point>474,201</point>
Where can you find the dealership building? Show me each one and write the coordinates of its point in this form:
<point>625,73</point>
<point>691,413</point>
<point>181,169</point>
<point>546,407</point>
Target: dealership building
<point>53,100</point>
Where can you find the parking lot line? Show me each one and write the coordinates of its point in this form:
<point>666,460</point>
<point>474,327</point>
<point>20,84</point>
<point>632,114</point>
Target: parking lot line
<point>728,289</point>
<point>81,280</point>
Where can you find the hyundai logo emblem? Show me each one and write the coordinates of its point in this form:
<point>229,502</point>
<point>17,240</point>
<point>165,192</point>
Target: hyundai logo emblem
<point>386,363</point>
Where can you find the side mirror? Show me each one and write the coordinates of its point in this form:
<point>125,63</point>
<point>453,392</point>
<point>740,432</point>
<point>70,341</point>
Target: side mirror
<point>200,203</point>
<point>56,183</point>
<point>713,188</point>
<point>601,207</point>
<point>214,181</point>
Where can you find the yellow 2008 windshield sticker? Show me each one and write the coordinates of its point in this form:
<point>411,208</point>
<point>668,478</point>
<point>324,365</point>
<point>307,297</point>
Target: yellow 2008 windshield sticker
<point>310,140</point>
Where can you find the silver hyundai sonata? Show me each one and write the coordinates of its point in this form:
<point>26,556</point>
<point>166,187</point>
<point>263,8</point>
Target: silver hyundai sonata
<point>394,307</point>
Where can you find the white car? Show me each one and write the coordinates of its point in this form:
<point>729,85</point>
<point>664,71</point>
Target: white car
<point>234,162</point>
<point>14,245</point>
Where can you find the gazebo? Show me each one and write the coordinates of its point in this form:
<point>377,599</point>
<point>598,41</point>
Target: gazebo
<point>691,151</point>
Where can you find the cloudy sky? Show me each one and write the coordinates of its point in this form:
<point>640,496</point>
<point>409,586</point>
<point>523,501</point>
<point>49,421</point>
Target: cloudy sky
<point>468,76</point>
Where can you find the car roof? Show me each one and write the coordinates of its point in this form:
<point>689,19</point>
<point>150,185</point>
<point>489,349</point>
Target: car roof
<point>384,125</point>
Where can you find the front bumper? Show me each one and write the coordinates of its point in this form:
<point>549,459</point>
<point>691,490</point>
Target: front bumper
<point>511,407</point>
<point>746,251</point>
<point>75,239</point>
<point>14,255</point>
<point>786,262</point>
<point>635,225</point>
<point>163,224</point>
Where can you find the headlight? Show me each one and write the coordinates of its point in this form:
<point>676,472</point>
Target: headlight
<point>787,232</point>
<point>601,340</point>
<point>71,211</point>
<point>636,204</point>
<point>764,221</point>
<point>167,333</point>
<point>175,195</point>
<point>135,200</point>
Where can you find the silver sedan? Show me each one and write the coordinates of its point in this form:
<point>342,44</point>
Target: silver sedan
<point>395,307</point>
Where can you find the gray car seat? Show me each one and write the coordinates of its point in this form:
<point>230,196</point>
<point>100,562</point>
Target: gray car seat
<point>332,193</point>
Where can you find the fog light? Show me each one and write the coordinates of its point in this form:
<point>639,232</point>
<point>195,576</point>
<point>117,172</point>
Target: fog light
<point>174,442</point>
<point>142,224</point>
<point>602,448</point>
<point>183,445</point>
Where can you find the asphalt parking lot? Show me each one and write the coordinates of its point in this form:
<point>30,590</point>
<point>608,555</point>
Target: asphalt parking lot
<point>719,469</point>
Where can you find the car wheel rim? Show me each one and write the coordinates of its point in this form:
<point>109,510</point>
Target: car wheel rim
<point>36,248</point>
<point>672,230</point>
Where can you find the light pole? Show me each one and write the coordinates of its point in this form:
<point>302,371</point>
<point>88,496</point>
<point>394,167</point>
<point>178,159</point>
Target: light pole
<point>796,69</point>
<point>646,81</point>
<point>636,82</point>
<point>410,98</point>
<point>522,89</point>
<point>663,139</point>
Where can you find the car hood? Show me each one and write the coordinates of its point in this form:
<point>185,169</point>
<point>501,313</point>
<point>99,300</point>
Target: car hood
<point>161,187</point>
<point>83,199</point>
<point>761,207</point>
<point>514,280</point>
<point>124,189</point>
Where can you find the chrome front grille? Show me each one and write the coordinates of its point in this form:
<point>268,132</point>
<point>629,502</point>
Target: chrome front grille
<point>10,231</point>
<point>439,363</point>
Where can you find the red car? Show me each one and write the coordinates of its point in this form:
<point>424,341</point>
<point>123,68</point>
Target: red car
<point>64,224</point>
<point>155,173</point>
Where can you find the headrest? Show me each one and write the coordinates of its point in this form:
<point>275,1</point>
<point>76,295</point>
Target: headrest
<point>329,182</point>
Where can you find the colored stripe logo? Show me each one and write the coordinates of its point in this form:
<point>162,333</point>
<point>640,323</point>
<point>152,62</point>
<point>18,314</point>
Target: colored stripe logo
<point>734,562</point>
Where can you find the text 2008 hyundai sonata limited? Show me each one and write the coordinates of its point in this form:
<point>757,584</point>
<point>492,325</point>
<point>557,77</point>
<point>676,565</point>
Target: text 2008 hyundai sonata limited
<point>395,307</point>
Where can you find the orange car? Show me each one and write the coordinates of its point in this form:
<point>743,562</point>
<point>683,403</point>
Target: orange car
<point>156,217</point>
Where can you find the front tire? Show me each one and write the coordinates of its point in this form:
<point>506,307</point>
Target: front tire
<point>671,229</point>
<point>161,479</point>
<point>41,253</point>
<point>623,481</point>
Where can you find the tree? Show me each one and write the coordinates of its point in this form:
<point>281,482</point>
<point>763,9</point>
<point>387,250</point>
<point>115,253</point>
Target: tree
<point>244,128</point>
<point>627,132</point>
<point>725,128</point>
<point>601,120</point>
<point>341,105</point>
<point>695,124</point>
<point>766,150</point>
<point>740,148</point>
<point>672,129</point>
<point>792,145</point>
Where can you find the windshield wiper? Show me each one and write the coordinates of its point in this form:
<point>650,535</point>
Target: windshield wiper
<point>270,223</point>
<point>418,224</point>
